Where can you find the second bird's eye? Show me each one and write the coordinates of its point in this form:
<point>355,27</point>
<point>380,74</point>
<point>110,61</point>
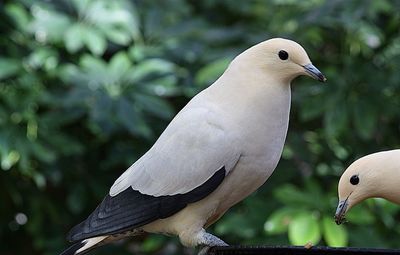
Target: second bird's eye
<point>354,180</point>
<point>283,55</point>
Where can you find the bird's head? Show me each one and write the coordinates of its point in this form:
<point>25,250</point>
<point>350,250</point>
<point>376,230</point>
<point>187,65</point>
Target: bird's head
<point>375,175</point>
<point>284,59</point>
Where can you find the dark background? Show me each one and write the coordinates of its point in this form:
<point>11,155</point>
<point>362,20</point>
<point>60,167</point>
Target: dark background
<point>87,86</point>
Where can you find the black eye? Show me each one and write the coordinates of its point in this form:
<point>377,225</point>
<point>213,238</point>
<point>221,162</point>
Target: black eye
<point>283,55</point>
<point>354,180</point>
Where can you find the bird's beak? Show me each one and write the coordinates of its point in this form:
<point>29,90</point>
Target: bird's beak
<point>341,211</point>
<point>314,72</point>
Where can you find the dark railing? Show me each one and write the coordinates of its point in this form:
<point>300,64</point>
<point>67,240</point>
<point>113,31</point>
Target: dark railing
<point>297,250</point>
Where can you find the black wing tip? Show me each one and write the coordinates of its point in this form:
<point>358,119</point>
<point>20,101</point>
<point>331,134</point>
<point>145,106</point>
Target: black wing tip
<point>206,188</point>
<point>75,233</point>
<point>73,249</point>
<point>130,199</point>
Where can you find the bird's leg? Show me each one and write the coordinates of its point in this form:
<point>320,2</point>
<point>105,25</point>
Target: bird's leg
<point>208,240</point>
<point>199,237</point>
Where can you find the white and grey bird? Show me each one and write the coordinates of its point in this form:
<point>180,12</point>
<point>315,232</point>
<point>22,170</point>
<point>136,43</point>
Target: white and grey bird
<point>375,175</point>
<point>218,149</point>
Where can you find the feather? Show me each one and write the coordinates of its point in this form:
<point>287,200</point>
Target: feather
<point>131,209</point>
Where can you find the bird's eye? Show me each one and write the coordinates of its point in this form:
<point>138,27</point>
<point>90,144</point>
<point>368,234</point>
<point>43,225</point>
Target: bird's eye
<point>283,55</point>
<point>354,180</point>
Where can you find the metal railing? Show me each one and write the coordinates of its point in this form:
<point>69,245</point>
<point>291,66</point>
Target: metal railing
<point>297,250</point>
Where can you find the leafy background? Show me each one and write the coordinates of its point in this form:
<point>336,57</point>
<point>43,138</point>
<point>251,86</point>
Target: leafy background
<point>87,86</point>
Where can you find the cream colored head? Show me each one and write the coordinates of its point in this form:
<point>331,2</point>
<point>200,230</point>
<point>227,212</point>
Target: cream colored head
<point>282,58</point>
<point>375,175</point>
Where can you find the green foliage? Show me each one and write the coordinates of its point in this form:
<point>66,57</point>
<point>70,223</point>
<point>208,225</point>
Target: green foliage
<point>304,229</point>
<point>87,86</point>
<point>334,235</point>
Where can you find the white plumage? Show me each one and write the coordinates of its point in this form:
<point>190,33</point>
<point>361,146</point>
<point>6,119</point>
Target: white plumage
<point>238,124</point>
<point>374,175</point>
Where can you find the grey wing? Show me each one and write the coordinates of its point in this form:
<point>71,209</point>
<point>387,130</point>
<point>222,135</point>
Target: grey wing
<point>195,145</point>
<point>188,162</point>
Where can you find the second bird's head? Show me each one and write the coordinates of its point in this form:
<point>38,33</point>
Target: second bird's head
<point>375,175</point>
<point>283,58</point>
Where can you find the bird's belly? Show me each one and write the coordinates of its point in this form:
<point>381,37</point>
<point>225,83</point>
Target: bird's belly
<point>248,175</point>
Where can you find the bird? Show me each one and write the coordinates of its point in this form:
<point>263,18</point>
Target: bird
<point>221,147</point>
<point>376,175</point>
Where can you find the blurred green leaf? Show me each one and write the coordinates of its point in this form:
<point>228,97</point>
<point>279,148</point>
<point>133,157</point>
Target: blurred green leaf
<point>8,159</point>
<point>92,63</point>
<point>8,67</point>
<point>119,65</point>
<point>279,221</point>
<point>95,41</point>
<point>151,245</point>
<point>74,38</point>
<point>149,67</point>
<point>360,215</point>
<point>237,224</point>
<point>43,57</point>
<point>128,118</point>
<point>48,25</point>
<point>43,153</point>
<point>304,229</point>
<point>75,200</point>
<point>155,105</point>
<point>365,119</point>
<point>19,15</point>
<point>336,119</point>
<point>117,36</point>
<point>290,194</point>
<point>212,71</point>
<point>334,235</point>
<point>81,5</point>
<point>313,107</point>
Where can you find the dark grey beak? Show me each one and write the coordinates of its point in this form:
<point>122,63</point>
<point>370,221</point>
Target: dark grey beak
<point>341,211</point>
<point>314,72</point>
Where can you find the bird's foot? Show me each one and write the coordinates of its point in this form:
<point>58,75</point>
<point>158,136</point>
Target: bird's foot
<point>209,240</point>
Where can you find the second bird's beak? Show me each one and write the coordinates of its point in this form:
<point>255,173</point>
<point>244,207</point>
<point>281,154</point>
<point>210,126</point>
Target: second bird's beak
<point>314,72</point>
<point>341,211</point>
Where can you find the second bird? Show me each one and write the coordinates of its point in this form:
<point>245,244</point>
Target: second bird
<point>221,147</point>
<point>376,175</point>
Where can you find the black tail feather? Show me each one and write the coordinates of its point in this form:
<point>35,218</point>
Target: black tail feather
<point>73,248</point>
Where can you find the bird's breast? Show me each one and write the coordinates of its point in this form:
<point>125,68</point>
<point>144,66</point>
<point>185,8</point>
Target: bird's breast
<point>258,124</point>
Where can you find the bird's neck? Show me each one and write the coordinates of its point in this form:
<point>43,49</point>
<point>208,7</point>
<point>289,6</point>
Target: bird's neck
<point>258,107</point>
<point>385,178</point>
<point>245,89</point>
<point>388,187</point>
